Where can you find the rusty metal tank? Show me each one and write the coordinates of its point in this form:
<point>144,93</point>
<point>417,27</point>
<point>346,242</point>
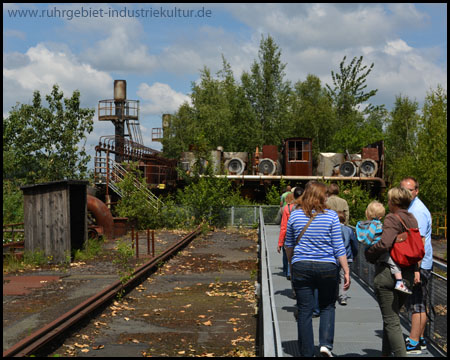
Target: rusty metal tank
<point>120,90</point>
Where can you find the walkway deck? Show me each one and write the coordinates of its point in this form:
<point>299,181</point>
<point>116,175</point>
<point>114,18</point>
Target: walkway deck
<point>358,327</point>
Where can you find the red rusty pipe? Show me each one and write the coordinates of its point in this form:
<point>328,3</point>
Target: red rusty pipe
<point>102,215</point>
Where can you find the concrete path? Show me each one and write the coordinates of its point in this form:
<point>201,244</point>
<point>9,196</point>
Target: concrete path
<point>358,327</point>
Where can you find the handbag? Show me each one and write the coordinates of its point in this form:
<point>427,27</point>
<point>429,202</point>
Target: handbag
<point>408,247</point>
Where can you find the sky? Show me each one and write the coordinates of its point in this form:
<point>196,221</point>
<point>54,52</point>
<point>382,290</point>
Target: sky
<point>160,49</point>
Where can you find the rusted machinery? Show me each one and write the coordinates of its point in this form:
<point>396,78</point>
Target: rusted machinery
<point>115,152</point>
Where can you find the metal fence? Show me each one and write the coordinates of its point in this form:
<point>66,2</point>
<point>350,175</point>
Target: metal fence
<point>270,338</point>
<point>436,330</point>
<point>247,215</point>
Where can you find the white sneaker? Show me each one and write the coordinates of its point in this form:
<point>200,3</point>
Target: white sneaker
<point>325,352</point>
<point>400,286</point>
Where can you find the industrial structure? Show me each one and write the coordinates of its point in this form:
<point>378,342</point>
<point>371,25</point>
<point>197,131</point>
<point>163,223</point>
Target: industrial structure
<point>256,171</point>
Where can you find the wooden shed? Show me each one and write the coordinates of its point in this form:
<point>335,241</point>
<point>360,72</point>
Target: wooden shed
<point>55,217</point>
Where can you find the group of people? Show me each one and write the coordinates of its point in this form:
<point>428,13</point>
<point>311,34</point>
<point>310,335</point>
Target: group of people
<point>318,249</point>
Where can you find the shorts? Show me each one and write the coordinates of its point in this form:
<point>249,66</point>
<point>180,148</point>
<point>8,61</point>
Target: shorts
<point>418,300</point>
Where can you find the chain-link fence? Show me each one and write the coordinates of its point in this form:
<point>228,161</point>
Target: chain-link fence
<point>436,330</point>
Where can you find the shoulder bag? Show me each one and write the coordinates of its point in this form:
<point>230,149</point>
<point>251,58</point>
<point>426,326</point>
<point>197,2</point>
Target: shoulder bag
<point>408,247</point>
<point>304,229</point>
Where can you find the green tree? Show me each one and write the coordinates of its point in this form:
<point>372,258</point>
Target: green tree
<point>46,143</point>
<point>349,87</point>
<point>431,164</point>
<point>312,114</point>
<point>348,96</point>
<point>268,92</point>
<point>133,204</point>
<point>219,113</point>
<point>401,139</point>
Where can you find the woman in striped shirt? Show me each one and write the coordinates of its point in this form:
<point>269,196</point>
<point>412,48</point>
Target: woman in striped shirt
<point>315,265</point>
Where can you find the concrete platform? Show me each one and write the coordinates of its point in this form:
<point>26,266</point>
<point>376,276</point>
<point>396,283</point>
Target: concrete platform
<point>358,327</point>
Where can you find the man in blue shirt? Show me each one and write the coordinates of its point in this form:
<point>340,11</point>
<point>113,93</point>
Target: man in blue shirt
<point>419,298</point>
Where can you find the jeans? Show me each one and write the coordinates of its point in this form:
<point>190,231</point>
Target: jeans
<point>307,276</point>
<point>286,267</point>
<point>390,302</point>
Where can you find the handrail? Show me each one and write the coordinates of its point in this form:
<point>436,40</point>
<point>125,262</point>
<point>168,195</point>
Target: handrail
<point>271,331</point>
<point>114,173</point>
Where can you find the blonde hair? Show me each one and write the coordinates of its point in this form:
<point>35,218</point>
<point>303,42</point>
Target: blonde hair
<point>400,197</point>
<point>375,210</point>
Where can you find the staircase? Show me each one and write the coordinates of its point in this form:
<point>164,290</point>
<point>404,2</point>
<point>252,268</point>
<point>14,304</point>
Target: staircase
<point>111,172</point>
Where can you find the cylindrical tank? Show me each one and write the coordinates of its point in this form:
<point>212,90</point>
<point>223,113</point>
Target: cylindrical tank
<point>120,90</point>
<point>215,159</point>
<point>235,166</point>
<point>368,168</point>
<point>267,167</point>
<point>348,169</point>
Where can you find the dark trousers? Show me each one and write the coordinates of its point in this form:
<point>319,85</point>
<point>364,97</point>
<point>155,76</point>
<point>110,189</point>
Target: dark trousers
<point>390,302</point>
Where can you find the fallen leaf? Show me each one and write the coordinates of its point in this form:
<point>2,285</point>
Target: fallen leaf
<point>98,347</point>
<point>202,316</point>
<point>85,350</point>
<point>181,352</point>
<point>135,341</point>
<point>207,323</point>
<point>126,319</point>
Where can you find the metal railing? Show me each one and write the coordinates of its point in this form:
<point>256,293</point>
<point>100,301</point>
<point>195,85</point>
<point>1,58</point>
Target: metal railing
<point>247,215</point>
<point>113,173</point>
<point>270,337</point>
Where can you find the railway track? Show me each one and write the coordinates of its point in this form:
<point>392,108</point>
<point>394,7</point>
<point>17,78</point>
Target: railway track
<point>56,328</point>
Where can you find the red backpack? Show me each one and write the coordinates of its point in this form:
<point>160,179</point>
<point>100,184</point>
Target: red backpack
<point>408,248</point>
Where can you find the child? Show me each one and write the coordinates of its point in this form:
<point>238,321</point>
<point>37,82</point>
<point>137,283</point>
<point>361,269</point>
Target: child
<point>369,233</point>
<point>351,249</point>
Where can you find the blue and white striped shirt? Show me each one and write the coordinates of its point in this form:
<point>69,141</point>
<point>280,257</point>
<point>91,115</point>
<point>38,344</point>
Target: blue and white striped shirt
<point>321,242</point>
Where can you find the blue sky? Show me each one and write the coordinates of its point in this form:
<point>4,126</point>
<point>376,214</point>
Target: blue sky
<point>160,57</point>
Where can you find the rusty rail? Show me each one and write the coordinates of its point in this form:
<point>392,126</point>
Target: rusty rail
<point>39,338</point>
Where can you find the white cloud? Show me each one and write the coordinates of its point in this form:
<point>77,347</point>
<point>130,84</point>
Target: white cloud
<point>41,67</point>
<point>395,47</point>
<point>160,98</point>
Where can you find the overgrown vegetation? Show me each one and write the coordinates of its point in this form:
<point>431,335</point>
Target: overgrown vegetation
<point>122,259</point>
<point>42,143</point>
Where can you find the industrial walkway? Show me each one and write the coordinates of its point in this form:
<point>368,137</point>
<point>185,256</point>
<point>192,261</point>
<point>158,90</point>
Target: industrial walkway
<point>358,327</point>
